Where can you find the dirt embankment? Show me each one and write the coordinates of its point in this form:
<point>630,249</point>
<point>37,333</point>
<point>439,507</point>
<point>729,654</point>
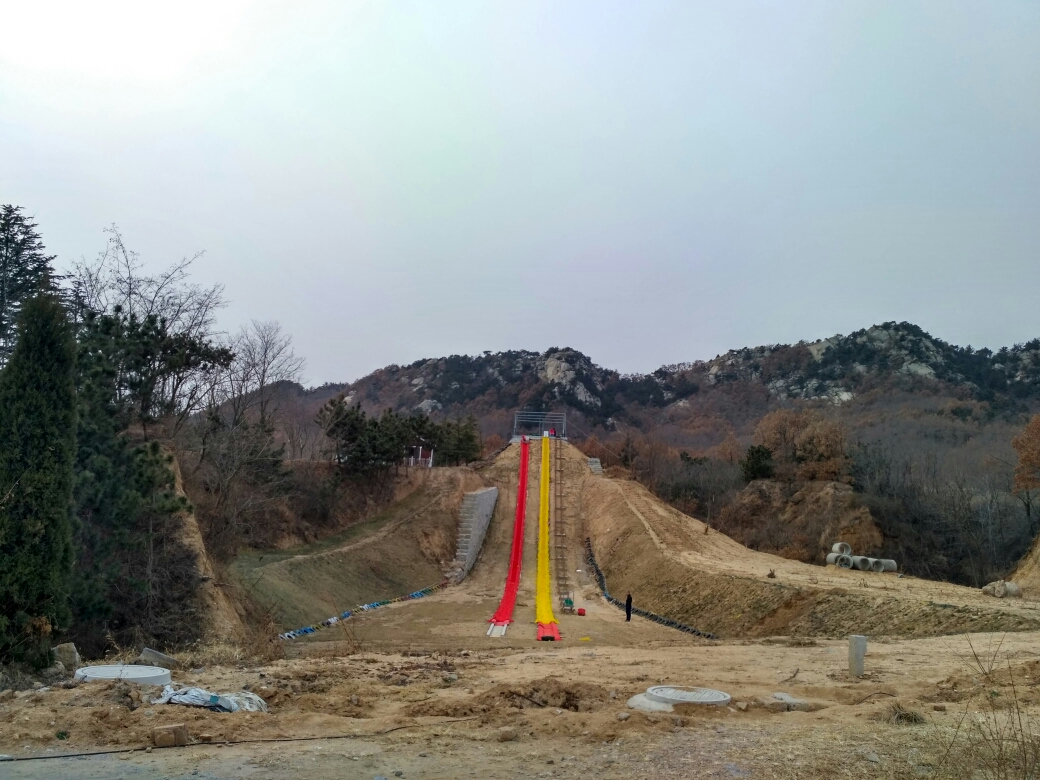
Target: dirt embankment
<point>676,567</point>
<point>403,548</point>
<point>800,521</point>
<point>223,621</point>
<point>1027,573</point>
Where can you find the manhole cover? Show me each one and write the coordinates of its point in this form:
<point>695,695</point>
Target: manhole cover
<point>670,694</point>
<point>143,675</point>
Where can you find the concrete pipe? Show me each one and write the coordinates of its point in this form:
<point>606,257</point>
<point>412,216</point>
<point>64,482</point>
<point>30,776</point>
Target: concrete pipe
<point>861,562</point>
<point>888,564</point>
<point>841,561</point>
<point>877,565</point>
<point>841,548</point>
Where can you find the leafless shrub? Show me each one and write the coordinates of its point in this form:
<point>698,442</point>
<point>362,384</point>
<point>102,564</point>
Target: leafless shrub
<point>1002,742</point>
<point>899,715</point>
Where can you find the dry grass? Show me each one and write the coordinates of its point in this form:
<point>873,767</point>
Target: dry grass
<point>999,742</point>
<point>214,654</point>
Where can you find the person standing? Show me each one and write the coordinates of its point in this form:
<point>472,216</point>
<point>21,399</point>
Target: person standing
<point>628,608</point>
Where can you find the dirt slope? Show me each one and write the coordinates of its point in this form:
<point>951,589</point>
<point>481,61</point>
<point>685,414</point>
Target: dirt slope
<point>671,566</point>
<point>402,549</point>
<point>222,619</point>
<point>1027,573</point>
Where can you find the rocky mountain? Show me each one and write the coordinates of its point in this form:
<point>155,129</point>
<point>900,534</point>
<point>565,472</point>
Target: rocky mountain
<point>703,402</point>
<point>836,368</point>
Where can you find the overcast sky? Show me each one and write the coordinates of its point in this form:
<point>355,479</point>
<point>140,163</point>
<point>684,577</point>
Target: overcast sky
<point>648,182</point>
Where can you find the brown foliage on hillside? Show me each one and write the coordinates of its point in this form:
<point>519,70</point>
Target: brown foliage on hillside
<point>1027,445</point>
<point>805,445</point>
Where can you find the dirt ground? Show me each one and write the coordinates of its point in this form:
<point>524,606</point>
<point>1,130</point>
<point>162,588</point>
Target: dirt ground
<point>418,688</point>
<point>444,714</point>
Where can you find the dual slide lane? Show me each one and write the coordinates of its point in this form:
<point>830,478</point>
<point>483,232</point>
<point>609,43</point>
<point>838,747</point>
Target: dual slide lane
<point>548,629</point>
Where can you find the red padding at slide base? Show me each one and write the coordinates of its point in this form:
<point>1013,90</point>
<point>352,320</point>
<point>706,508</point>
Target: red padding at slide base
<point>548,632</point>
<point>504,614</point>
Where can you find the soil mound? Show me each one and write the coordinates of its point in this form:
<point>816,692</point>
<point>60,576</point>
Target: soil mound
<point>549,692</point>
<point>675,566</point>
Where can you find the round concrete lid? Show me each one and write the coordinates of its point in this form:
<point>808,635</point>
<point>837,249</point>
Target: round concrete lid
<point>142,675</point>
<point>671,694</point>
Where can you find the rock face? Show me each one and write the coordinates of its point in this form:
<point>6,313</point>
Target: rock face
<point>555,370</point>
<point>831,369</point>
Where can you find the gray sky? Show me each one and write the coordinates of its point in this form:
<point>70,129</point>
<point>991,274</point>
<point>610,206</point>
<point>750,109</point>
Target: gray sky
<point>647,182</point>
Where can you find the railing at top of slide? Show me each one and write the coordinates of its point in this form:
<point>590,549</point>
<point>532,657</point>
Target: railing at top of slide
<point>504,614</point>
<point>548,629</point>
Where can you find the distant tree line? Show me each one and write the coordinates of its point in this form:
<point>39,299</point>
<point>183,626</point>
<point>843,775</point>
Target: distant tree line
<point>364,446</point>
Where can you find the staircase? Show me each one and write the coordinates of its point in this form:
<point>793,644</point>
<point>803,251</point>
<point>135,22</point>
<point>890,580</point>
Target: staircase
<point>474,516</point>
<point>595,465</point>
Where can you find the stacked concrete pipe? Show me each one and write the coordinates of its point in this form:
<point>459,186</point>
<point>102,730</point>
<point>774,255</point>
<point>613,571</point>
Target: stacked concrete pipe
<point>840,560</point>
<point>861,562</point>
<point>842,557</point>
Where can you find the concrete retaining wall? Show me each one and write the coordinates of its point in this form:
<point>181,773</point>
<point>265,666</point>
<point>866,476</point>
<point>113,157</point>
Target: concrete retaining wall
<point>474,516</point>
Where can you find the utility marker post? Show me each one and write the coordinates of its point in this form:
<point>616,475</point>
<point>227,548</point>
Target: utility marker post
<point>857,649</point>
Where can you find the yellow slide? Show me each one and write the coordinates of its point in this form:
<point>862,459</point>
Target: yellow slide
<point>548,629</point>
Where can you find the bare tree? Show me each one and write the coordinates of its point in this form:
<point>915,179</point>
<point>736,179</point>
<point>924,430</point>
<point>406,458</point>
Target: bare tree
<point>237,454</point>
<point>115,283</point>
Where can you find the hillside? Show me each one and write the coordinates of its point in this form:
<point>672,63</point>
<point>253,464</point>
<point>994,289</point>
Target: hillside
<point>926,429</point>
<point>698,405</point>
<point>674,566</point>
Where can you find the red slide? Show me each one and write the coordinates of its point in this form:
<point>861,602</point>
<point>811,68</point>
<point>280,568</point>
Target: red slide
<point>504,614</point>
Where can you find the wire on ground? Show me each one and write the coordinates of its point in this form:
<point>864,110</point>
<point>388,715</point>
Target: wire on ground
<point>219,743</point>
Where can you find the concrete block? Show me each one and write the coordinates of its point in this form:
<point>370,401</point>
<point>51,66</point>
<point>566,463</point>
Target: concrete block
<point>174,735</point>
<point>857,649</point>
<point>155,658</point>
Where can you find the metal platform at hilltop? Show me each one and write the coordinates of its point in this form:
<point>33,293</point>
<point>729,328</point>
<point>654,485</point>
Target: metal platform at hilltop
<point>535,424</point>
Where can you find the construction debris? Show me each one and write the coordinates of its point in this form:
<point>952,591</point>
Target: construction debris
<point>227,702</point>
<point>170,736</point>
<point>1001,589</point>
<point>155,658</point>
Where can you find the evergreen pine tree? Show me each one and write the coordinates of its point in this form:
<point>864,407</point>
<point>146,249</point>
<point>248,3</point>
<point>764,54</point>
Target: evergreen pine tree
<point>37,453</point>
<point>133,579</point>
<point>25,268</point>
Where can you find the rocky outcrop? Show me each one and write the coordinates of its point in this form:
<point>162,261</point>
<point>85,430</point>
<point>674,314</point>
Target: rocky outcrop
<point>832,369</point>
